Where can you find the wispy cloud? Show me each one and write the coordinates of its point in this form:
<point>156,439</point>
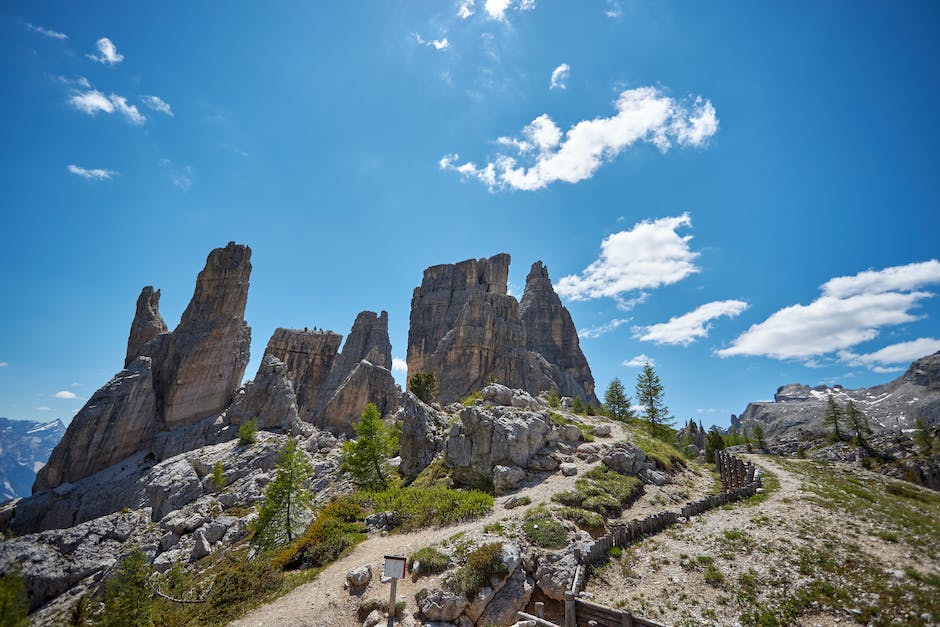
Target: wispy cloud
<point>52,34</point>
<point>4,364</point>
<point>65,394</point>
<point>685,329</point>
<point>614,10</point>
<point>91,101</point>
<point>560,76</point>
<point>850,310</point>
<point>94,174</point>
<point>107,52</point>
<point>465,9</point>
<point>437,44</point>
<point>180,176</point>
<point>43,408</point>
<point>639,361</point>
<point>893,358</point>
<point>157,104</point>
<point>642,115</point>
<point>604,329</point>
<point>651,254</point>
<point>399,365</point>
<point>497,9</point>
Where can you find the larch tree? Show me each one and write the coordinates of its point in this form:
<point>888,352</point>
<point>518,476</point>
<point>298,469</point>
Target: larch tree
<point>649,395</point>
<point>286,509</point>
<point>366,457</point>
<point>833,418</point>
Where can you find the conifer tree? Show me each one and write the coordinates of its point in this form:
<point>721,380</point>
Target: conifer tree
<point>366,457</point>
<point>857,421</point>
<point>286,508</point>
<point>425,386</point>
<point>14,606</point>
<point>553,399</point>
<point>617,402</point>
<point>649,395</point>
<point>759,435</point>
<point>833,418</point>
<point>577,406</point>
<point>128,600</point>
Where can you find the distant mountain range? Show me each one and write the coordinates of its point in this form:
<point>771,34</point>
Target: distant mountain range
<point>25,446</point>
<point>798,410</point>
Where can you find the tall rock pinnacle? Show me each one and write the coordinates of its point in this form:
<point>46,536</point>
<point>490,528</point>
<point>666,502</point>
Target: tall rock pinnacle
<point>147,323</point>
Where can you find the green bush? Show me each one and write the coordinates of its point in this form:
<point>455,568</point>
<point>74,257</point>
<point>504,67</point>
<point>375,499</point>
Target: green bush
<point>237,587</point>
<point>127,598</point>
<point>431,561</point>
<point>218,480</point>
<point>336,529</point>
<point>542,529</point>
<point>554,401</point>
<point>425,386</point>
<point>367,607</point>
<point>248,432</point>
<point>472,398</point>
<point>14,606</point>
<point>591,521</point>
<point>602,491</point>
<point>483,564</point>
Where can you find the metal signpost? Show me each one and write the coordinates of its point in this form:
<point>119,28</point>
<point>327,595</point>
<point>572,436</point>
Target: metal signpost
<point>395,566</point>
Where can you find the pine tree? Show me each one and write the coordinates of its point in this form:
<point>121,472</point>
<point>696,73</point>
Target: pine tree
<point>218,480</point>
<point>617,402</point>
<point>713,442</point>
<point>833,417</point>
<point>128,600</point>
<point>287,501</point>
<point>759,435</point>
<point>857,421</point>
<point>577,406</point>
<point>649,394</point>
<point>425,386</point>
<point>14,606</point>
<point>248,432</point>
<point>554,401</point>
<point>366,457</point>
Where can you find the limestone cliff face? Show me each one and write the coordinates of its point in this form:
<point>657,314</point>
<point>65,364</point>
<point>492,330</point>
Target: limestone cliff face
<point>466,329</point>
<point>551,333</point>
<point>147,323</point>
<point>200,364</point>
<point>309,356</point>
<point>178,379</point>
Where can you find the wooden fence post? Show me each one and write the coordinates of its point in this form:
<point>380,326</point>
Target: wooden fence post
<point>570,611</point>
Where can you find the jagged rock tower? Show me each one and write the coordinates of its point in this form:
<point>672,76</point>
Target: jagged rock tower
<point>171,379</point>
<point>466,328</point>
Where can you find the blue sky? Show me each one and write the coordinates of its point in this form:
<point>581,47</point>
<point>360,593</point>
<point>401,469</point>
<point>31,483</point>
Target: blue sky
<point>696,176</point>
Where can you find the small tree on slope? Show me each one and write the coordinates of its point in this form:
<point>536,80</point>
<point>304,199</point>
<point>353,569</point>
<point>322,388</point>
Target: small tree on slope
<point>833,417</point>
<point>617,402</point>
<point>366,457</point>
<point>649,394</point>
<point>857,422</point>
<point>286,508</point>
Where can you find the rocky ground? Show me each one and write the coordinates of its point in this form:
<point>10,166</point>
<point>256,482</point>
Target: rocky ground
<point>827,545</point>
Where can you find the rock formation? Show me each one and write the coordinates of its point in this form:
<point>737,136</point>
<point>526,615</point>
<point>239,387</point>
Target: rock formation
<point>309,356</point>
<point>423,434</point>
<point>551,333</point>
<point>467,330</point>
<point>268,398</point>
<point>177,379</point>
<point>147,323</point>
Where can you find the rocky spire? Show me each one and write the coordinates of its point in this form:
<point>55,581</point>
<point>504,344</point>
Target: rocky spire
<point>551,333</point>
<point>147,323</point>
<point>179,379</point>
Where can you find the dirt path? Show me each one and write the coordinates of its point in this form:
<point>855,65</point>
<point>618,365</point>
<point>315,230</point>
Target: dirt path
<point>324,603</point>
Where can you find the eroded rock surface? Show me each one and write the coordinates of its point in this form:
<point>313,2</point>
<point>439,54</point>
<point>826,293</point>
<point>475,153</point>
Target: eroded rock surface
<point>147,323</point>
<point>309,356</point>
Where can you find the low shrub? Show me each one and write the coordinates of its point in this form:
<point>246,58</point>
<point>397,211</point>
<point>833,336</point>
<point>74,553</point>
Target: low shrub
<point>431,561</point>
<point>432,506</point>
<point>591,521</point>
<point>248,432</point>
<point>542,529</point>
<point>602,491</point>
<point>337,528</point>
<point>483,564</point>
<point>367,607</point>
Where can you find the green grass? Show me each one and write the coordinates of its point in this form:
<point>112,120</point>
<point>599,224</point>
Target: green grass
<point>662,453</point>
<point>431,506</point>
<point>602,491</point>
<point>583,518</point>
<point>432,561</point>
<point>543,529</point>
<point>435,475</point>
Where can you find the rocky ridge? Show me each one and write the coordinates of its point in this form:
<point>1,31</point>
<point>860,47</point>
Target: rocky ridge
<point>25,446</point>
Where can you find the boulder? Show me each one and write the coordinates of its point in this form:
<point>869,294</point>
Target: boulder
<point>441,605</point>
<point>507,478</point>
<point>554,574</point>
<point>423,434</point>
<point>511,598</point>
<point>359,578</point>
<point>625,458</point>
<point>498,394</point>
<point>201,548</point>
<point>602,430</point>
<point>569,470</point>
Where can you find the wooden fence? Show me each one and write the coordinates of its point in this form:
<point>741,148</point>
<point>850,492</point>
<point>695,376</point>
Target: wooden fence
<point>738,479</point>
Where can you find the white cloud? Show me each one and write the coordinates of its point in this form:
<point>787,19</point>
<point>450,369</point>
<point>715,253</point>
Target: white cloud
<point>65,394</point>
<point>850,311</point>
<point>399,365</point>
<point>46,32</point>
<point>496,9</point>
<point>465,9</point>
<point>437,44</point>
<point>643,115</point>
<point>614,10</point>
<point>107,52</point>
<point>181,177</point>
<point>43,408</point>
<point>94,174</point>
<point>604,329</point>
<point>685,329</point>
<point>649,255</point>
<point>639,361</point>
<point>157,104</point>
<point>92,101</point>
<point>4,364</point>
<point>560,77</point>
<point>900,353</point>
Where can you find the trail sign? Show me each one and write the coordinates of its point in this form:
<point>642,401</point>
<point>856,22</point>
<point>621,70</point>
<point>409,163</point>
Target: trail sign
<point>395,566</point>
